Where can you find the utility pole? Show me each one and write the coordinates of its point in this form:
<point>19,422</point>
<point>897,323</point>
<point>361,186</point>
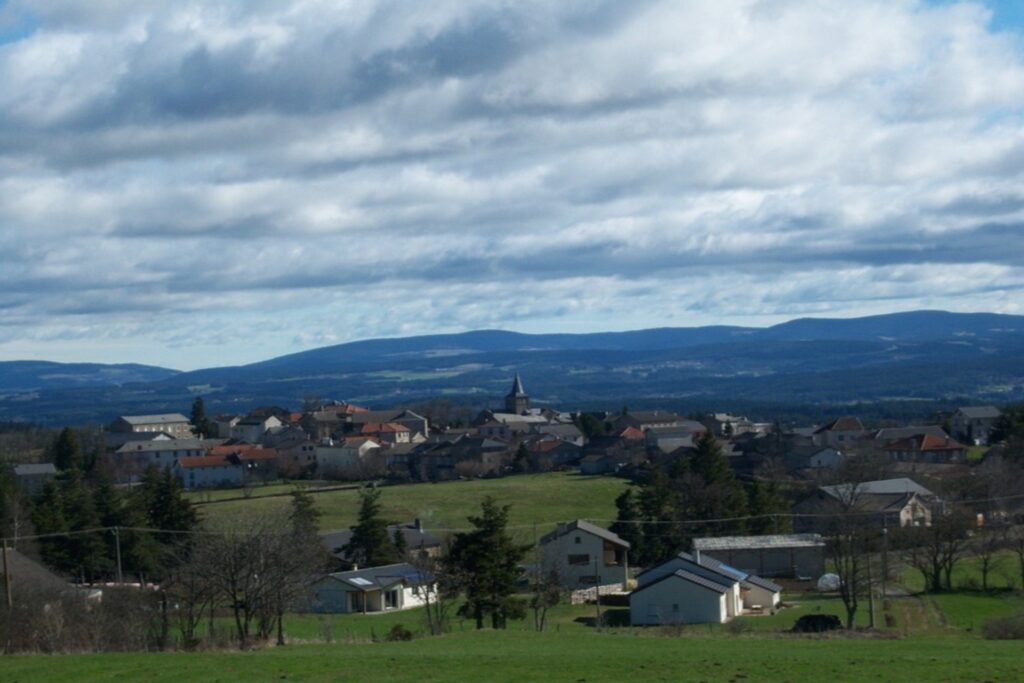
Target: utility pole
<point>871,593</point>
<point>7,580</point>
<point>885,561</point>
<point>117,551</point>
<point>597,594</point>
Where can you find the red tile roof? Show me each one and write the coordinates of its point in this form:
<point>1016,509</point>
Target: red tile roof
<point>383,427</point>
<point>198,461</point>
<point>630,433</point>
<point>926,442</point>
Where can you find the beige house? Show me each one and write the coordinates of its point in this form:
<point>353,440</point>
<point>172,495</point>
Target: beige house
<point>585,555</point>
<point>174,424</point>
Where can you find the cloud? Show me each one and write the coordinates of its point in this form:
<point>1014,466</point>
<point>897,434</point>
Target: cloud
<point>198,183</point>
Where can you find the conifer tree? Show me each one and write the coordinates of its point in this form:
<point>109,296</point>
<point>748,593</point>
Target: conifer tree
<point>370,544</point>
<point>487,559</point>
<point>627,524</point>
<point>67,450</point>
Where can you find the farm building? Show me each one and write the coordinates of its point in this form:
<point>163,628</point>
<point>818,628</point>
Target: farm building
<point>792,555</point>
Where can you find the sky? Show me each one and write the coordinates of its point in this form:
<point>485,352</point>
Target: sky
<point>191,184</point>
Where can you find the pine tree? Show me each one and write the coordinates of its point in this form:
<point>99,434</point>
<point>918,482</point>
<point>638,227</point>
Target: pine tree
<point>165,506</point>
<point>305,517</point>
<point>370,544</point>
<point>48,518</point>
<point>627,524</point>
<point>488,560</point>
<point>67,450</point>
<point>86,548</point>
<point>401,547</point>
<point>199,421</point>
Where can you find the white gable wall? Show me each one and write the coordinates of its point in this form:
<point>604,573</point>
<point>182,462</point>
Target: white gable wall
<point>677,601</point>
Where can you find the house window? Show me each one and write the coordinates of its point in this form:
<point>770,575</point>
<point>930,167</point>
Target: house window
<point>579,540</point>
<point>390,599</point>
<point>577,560</point>
<point>675,606</point>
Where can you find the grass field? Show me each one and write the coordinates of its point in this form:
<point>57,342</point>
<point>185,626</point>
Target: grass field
<point>563,656</point>
<point>541,499</point>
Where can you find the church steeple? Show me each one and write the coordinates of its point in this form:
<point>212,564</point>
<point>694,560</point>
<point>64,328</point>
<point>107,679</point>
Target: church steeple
<point>517,400</point>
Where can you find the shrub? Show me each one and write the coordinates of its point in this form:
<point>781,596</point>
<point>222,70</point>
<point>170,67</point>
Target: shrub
<point>737,628</point>
<point>1004,628</point>
<point>817,623</point>
<point>398,633</point>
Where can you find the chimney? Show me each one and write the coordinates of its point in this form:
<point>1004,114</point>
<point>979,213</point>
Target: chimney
<point>696,555</point>
<point>418,524</point>
<point>355,567</point>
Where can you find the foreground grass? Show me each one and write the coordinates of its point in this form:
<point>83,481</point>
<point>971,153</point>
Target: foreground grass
<point>540,499</point>
<point>565,656</point>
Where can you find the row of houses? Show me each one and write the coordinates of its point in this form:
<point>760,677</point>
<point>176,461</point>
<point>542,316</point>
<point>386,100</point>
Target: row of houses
<point>690,588</point>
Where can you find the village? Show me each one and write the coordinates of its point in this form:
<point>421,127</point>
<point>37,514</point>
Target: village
<point>762,513</point>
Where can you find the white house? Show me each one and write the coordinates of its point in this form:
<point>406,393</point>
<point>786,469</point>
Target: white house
<point>585,555</point>
<point>252,429</point>
<point>389,588</point>
<point>673,600</point>
<point>827,458</point>
<point>679,597</point>
<point>212,471</point>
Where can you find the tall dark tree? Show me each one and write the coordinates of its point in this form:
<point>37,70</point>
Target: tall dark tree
<point>769,509</point>
<point>304,516</point>
<point>487,559</point>
<point>370,544</point>
<point>86,545</point>
<point>67,450</point>
<point>199,421</point>
<point>166,508</point>
<point>48,518</point>
<point>628,523</point>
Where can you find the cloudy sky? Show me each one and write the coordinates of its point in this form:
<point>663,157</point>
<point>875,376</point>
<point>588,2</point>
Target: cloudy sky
<point>207,183</point>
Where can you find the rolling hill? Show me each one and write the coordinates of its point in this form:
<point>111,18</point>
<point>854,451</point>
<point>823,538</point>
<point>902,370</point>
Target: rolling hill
<point>916,356</point>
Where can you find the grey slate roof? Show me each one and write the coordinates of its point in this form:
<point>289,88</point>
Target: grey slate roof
<point>897,433</point>
<point>414,539</point>
<point>375,578</point>
<point>162,445</point>
<point>883,486</point>
<point>34,469</point>
<point>980,412</point>
<point>583,525</point>
<point>758,542</point>
<point>763,583</point>
<point>164,418</point>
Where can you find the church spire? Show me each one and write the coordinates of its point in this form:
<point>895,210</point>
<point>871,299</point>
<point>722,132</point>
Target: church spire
<point>517,401</point>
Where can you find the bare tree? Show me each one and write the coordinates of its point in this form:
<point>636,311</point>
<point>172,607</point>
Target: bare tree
<point>988,545</point>
<point>546,587</point>
<point>440,589</point>
<point>1015,542</point>
<point>936,550</point>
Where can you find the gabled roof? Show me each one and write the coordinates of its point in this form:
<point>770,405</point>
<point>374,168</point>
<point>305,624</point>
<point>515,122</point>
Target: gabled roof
<point>842,424</point>
<point>758,542</point>
<point>585,526</point>
<point>195,462</point>
<point>375,578</point>
<point>161,445</point>
<point>882,486</point>
<point>690,577</point>
<point>894,433</point>
<point>763,583</point>
<point>926,442</point>
<point>979,412</point>
<point>163,418</point>
<point>384,428</point>
<point>34,469</point>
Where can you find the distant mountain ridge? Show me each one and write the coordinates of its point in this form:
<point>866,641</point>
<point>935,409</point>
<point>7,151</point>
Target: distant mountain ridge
<point>911,356</point>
